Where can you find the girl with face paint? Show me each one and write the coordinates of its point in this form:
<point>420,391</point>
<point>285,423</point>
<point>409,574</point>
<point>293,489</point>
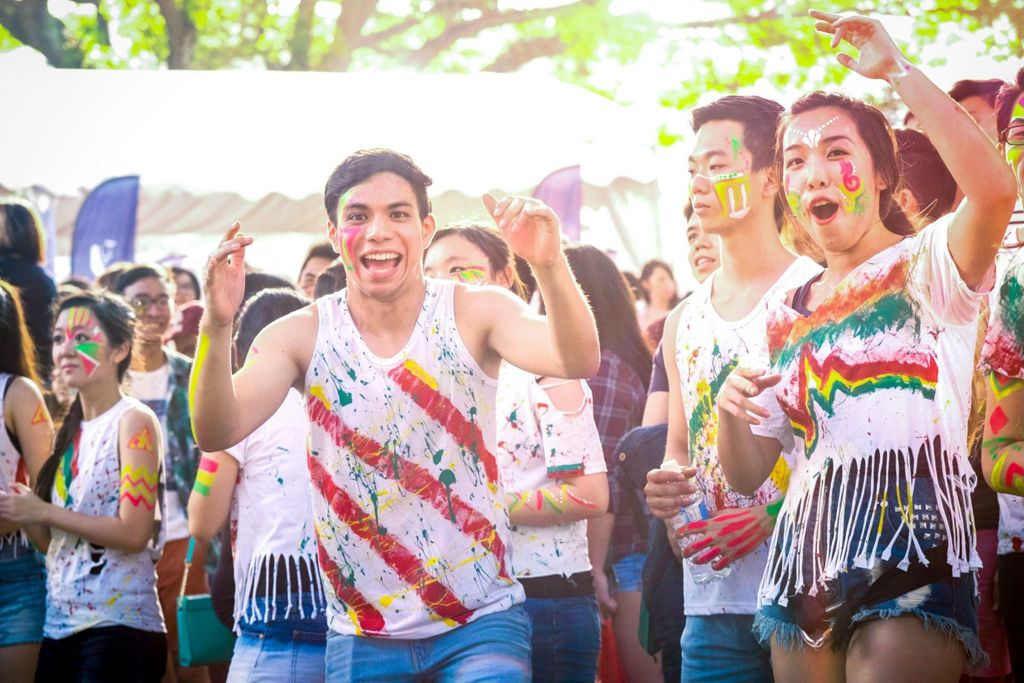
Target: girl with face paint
<point>1002,456</point>
<point>553,470</point>
<point>874,549</point>
<point>92,510</point>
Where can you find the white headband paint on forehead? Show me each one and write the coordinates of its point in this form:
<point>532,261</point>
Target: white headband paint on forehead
<point>812,137</point>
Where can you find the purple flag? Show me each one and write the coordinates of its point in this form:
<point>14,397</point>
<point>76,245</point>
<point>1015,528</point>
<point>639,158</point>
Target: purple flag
<point>563,192</point>
<point>105,227</point>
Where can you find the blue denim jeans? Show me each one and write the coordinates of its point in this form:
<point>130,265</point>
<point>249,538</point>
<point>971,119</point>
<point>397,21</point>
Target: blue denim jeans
<point>288,648</point>
<point>494,648</point>
<point>566,638</point>
<point>722,648</point>
<point>22,595</point>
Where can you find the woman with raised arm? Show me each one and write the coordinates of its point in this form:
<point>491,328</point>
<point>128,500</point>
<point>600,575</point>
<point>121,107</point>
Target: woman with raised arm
<point>874,550</point>
<point>26,432</point>
<point>553,471</point>
<point>93,507</point>
<point>262,485</point>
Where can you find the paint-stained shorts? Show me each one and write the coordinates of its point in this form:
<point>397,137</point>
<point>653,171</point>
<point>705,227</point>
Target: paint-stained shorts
<point>948,605</point>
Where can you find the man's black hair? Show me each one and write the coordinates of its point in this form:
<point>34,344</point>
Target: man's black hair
<point>759,117</point>
<point>987,90</point>
<point>369,162</point>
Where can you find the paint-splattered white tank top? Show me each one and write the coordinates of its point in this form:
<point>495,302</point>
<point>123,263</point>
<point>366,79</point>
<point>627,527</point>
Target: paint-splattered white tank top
<point>412,530</point>
<point>88,585</point>
<point>12,467</point>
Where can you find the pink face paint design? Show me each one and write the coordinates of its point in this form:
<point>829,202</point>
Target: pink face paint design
<point>852,189</point>
<point>348,234</point>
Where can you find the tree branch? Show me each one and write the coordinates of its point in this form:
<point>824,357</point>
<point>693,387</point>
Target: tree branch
<point>181,35</point>
<point>353,17</point>
<point>302,36</point>
<point>33,25</point>
<point>455,32</point>
<point>387,33</point>
<point>526,51</point>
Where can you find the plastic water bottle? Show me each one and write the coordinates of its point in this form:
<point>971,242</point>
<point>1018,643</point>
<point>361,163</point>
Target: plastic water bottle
<point>695,511</point>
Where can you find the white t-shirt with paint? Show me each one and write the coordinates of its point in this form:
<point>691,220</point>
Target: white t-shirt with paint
<point>88,585</point>
<point>272,513</point>
<point>876,383</point>
<point>708,348</point>
<point>539,446</point>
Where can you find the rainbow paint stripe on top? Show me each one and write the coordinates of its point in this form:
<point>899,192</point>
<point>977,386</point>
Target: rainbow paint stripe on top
<point>204,478</point>
<point>473,275</point>
<point>821,383</point>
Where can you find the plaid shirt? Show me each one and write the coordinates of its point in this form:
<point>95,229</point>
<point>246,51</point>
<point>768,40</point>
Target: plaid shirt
<point>619,396</point>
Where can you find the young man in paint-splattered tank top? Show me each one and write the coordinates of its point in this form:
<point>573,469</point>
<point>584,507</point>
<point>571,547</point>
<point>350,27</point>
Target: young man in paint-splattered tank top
<point>399,377</point>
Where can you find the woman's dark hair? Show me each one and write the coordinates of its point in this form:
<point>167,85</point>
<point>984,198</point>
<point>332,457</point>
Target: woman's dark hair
<point>877,134</point>
<point>178,270</point>
<point>648,270</point>
<point>21,231</point>
<point>636,288</point>
<point>117,320</point>
<point>367,163</point>
<point>136,272</point>
<point>526,276</point>
<point>1007,97</point>
<point>492,244</point>
<point>17,353</point>
<point>925,175</point>
<point>613,305</point>
<point>331,279</point>
<point>261,310</point>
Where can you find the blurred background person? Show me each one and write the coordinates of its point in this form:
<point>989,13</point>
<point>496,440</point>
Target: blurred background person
<point>928,187</point>
<point>186,286</point>
<point>318,258</point>
<point>22,254</point>
<point>659,285</point>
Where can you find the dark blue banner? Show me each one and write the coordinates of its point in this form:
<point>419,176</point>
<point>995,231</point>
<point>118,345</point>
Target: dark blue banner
<point>105,227</point>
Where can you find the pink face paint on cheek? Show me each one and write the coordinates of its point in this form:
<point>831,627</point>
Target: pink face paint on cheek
<point>348,240</point>
<point>852,189</point>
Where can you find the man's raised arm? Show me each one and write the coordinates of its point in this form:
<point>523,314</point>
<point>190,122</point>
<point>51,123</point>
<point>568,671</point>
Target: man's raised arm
<point>565,344</point>
<point>227,409</point>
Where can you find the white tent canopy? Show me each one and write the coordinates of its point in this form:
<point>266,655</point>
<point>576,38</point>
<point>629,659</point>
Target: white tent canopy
<point>211,147</point>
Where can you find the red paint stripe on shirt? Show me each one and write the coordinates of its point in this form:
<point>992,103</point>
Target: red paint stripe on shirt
<point>437,597</point>
<point>369,619</point>
<point>413,478</point>
<point>443,411</point>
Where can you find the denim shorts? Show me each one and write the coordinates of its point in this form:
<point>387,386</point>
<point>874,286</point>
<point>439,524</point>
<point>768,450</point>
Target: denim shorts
<point>948,604</point>
<point>22,595</point>
<point>629,573</point>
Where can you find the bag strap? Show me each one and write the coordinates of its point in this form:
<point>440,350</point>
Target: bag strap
<point>188,564</point>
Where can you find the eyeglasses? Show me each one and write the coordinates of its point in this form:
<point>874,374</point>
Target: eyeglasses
<point>142,303</point>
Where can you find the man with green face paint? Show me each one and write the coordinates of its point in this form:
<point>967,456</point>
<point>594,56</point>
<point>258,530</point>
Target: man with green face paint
<point>1002,457</point>
<point>721,325</point>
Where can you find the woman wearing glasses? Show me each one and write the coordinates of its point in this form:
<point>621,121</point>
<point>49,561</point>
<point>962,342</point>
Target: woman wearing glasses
<point>159,378</point>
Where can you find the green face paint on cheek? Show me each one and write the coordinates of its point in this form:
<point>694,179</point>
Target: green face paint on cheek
<point>1013,156</point>
<point>473,275</point>
<point>89,353</point>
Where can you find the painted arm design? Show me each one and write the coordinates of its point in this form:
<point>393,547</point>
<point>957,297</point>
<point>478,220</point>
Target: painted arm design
<point>550,505</point>
<point>1003,448</point>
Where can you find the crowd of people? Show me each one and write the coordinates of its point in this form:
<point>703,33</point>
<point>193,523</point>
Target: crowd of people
<point>477,452</point>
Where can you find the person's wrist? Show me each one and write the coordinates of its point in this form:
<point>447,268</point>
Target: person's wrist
<point>898,69</point>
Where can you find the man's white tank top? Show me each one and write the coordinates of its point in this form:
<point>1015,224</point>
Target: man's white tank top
<point>411,524</point>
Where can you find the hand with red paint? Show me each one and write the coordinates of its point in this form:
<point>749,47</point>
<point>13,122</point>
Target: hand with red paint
<point>879,57</point>
<point>22,505</point>
<point>530,227</point>
<point>742,385</point>
<point>728,535</point>
<point>225,278</point>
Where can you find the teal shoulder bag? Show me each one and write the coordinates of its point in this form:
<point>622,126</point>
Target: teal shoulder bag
<point>202,639</point>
